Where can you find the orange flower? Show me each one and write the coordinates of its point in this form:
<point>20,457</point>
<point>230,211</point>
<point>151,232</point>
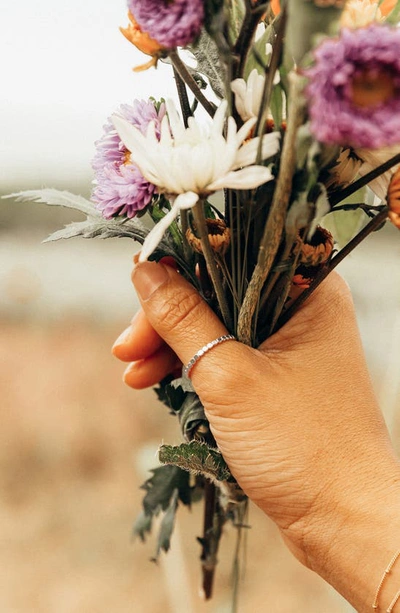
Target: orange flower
<point>318,250</point>
<point>393,199</point>
<point>275,6</point>
<point>219,237</point>
<point>387,7</point>
<point>143,42</point>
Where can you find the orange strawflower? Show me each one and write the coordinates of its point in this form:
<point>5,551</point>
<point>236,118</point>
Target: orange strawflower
<point>387,7</point>
<point>143,42</point>
<point>393,199</point>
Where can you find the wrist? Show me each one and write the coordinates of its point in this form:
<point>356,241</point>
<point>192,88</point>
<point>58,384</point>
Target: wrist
<point>353,533</point>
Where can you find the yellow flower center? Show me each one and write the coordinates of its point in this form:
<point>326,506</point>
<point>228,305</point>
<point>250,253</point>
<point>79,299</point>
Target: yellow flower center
<point>371,88</point>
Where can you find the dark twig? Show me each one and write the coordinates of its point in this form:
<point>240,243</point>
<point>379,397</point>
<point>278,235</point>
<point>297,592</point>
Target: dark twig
<point>338,196</point>
<point>324,272</point>
<point>240,51</point>
<point>185,75</point>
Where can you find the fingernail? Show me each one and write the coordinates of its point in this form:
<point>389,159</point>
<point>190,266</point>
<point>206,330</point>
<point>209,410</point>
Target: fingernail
<point>147,277</point>
<point>123,337</point>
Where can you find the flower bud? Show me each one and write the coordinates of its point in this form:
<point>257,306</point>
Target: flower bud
<point>219,237</point>
<point>318,249</point>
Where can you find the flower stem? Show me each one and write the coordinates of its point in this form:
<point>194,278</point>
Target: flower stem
<point>324,272</point>
<point>185,75</point>
<point>271,239</point>
<point>186,113</point>
<point>241,49</point>
<point>201,227</point>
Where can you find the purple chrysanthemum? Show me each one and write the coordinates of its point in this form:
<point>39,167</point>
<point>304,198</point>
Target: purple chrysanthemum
<point>354,88</point>
<point>172,23</point>
<point>120,188</point>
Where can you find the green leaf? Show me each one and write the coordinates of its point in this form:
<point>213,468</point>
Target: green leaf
<point>197,458</point>
<point>171,395</point>
<point>236,12</point>
<point>208,63</point>
<point>167,526</point>
<point>257,56</point>
<point>394,16</point>
<point>344,225</point>
<point>142,525</point>
<point>276,104</point>
<point>161,487</point>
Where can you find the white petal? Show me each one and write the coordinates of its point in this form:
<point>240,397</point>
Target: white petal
<point>155,236</point>
<point>186,201</point>
<point>244,131</point>
<point>177,127</point>
<point>246,178</point>
<point>219,118</point>
<point>153,239</point>
<point>247,154</point>
<point>132,138</point>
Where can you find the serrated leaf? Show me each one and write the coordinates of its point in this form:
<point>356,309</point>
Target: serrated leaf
<point>192,419</point>
<point>142,525</point>
<point>184,383</point>
<point>208,63</point>
<point>161,486</point>
<point>197,458</point>
<point>56,197</point>
<point>102,228</point>
<point>169,394</point>
<point>167,526</point>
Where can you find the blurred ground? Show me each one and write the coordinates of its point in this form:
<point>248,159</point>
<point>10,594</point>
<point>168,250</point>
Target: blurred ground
<point>75,444</point>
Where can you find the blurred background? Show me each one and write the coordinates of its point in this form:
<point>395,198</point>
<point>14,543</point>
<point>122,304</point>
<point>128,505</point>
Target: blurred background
<point>75,444</point>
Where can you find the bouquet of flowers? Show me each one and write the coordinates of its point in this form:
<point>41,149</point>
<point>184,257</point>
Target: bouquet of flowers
<point>283,157</point>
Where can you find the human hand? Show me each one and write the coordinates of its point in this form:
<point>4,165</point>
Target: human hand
<point>296,419</point>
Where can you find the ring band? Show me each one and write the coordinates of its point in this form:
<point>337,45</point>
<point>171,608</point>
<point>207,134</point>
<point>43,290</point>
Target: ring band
<point>221,339</point>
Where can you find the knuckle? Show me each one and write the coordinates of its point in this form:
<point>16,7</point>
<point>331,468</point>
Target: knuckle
<point>182,309</point>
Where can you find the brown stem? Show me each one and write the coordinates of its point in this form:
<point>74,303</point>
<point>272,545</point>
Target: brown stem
<point>209,547</point>
<point>337,197</point>
<point>190,82</point>
<point>201,227</point>
<point>271,239</point>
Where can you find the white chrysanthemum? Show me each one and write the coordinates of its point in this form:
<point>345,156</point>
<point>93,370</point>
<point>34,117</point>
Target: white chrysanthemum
<point>248,95</point>
<point>191,163</point>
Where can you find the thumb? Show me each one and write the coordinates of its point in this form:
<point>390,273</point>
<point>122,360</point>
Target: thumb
<point>180,316</point>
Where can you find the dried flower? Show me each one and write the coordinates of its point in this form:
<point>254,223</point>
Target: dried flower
<point>219,237</point>
<point>370,160</point>
<point>192,163</point>
<point>318,249</point>
<point>120,188</point>
<point>345,169</point>
<point>301,282</point>
<point>172,23</point>
<point>393,199</point>
<point>143,42</point>
<point>354,88</point>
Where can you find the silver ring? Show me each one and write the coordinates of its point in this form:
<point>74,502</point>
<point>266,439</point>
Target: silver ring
<point>199,354</point>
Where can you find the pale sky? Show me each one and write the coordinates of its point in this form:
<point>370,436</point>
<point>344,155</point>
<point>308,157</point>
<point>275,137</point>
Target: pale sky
<point>64,68</point>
